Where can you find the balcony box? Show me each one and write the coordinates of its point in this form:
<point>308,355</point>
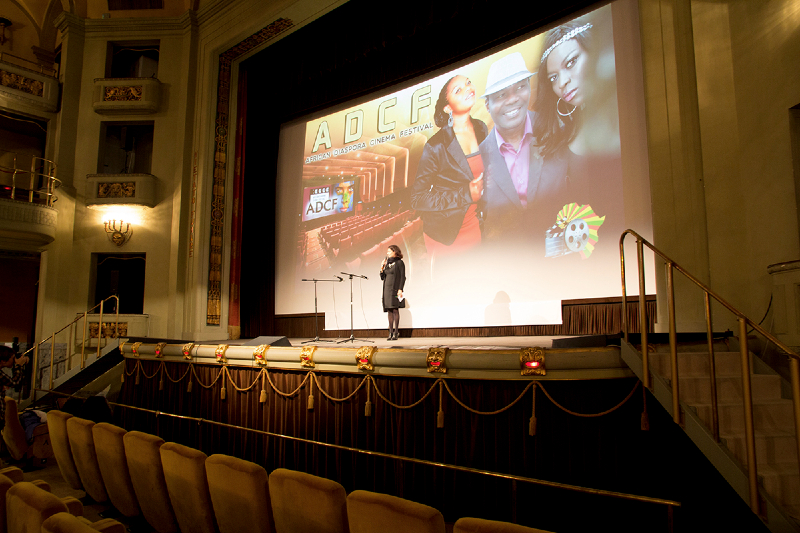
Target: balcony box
<point>126,96</point>
<point>120,189</point>
<point>26,226</point>
<point>26,86</point>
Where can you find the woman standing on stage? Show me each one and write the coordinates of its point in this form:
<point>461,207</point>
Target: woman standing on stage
<point>449,181</point>
<point>393,274</point>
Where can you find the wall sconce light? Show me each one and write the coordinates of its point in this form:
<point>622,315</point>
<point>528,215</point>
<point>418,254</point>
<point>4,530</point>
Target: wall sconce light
<point>4,23</point>
<point>118,232</point>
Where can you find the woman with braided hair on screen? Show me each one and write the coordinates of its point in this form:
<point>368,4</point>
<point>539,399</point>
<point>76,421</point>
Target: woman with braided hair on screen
<point>577,125</point>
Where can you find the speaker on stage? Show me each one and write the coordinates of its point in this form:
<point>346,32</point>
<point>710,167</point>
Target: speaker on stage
<point>272,341</point>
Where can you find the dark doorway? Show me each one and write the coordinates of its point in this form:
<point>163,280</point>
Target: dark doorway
<point>19,289</point>
<point>123,275</point>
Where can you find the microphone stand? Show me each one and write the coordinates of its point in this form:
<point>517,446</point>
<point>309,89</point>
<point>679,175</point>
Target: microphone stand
<point>316,327</point>
<point>352,338</point>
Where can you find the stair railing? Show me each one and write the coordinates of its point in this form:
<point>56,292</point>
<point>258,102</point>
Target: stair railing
<point>72,341</point>
<point>744,322</point>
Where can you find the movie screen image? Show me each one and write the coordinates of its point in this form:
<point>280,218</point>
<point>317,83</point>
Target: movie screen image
<point>505,181</point>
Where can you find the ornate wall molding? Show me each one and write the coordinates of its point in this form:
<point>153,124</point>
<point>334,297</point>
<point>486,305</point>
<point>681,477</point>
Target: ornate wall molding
<point>130,96</point>
<point>33,88</point>
<point>221,132</point>
<point>121,189</point>
<point>21,83</point>
<point>14,211</point>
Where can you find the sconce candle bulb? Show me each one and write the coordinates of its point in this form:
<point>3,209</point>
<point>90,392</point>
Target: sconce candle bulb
<point>118,231</point>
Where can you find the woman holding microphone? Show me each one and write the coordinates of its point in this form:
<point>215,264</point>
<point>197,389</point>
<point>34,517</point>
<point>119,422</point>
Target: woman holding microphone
<point>393,274</point>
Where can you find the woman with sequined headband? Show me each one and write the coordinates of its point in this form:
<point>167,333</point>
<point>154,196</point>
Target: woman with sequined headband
<point>577,125</point>
<point>563,86</point>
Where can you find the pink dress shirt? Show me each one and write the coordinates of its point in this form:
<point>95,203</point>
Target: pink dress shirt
<point>518,160</point>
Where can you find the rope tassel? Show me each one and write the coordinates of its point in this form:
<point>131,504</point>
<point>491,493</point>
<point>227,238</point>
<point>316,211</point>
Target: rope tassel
<point>440,414</point>
<point>368,405</point>
<point>122,376</point>
<point>223,389</point>
<point>310,404</point>
<point>189,386</point>
<point>263,396</point>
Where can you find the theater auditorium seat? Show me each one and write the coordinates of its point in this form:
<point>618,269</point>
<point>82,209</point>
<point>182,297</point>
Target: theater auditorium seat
<point>13,434</point>
<point>110,447</point>
<point>66,523</point>
<point>185,473</point>
<point>5,484</point>
<point>27,506</point>
<point>147,477</point>
<point>13,473</point>
<point>371,512</point>
<point>240,494</point>
<point>73,505</point>
<point>81,441</point>
<point>57,422</point>
<point>478,525</point>
<point>305,503</point>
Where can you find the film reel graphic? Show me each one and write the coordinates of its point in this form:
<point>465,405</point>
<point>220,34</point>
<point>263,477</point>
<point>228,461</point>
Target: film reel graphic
<point>575,231</point>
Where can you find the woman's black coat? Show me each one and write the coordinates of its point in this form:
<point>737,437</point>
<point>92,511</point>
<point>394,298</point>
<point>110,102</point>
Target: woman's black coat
<point>441,189</point>
<point>394,279</point>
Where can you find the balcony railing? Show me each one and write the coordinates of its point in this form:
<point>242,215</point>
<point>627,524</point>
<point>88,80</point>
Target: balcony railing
<point>27,64</point>
<point>36,184</point>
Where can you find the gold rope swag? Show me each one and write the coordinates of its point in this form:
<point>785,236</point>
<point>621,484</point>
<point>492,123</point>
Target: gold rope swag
<point>371,383</point>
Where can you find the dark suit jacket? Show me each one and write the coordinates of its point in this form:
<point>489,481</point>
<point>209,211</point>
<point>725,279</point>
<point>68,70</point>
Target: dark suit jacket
<point>440,192</point>
<point>505,219</point>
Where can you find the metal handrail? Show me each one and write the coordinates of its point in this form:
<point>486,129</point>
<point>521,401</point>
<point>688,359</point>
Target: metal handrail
<point>40,168</point>
<point>40,68</point>
<point>744,322</point>
<point>670,504</point>
<point>70,345</point>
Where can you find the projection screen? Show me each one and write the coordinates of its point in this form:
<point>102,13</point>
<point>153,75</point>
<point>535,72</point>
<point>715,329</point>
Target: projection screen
<point>516,206</point>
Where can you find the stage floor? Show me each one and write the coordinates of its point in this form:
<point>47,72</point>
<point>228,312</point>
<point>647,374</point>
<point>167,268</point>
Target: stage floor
<point>480,343</point>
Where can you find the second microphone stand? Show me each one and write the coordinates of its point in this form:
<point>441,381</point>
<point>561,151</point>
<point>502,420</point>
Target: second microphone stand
<point>352,338</point>
<point>316,327</point>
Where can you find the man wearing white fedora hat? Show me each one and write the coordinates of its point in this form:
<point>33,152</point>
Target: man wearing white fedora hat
<point>517,199</point>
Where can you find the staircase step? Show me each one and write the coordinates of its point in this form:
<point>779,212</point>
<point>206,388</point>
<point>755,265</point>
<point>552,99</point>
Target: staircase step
<point>697,390</point>
<point>695,364</point>
<point>774,446</point>
<point>782,482</point>
<point>719,346</point>
<point>774,415</point>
